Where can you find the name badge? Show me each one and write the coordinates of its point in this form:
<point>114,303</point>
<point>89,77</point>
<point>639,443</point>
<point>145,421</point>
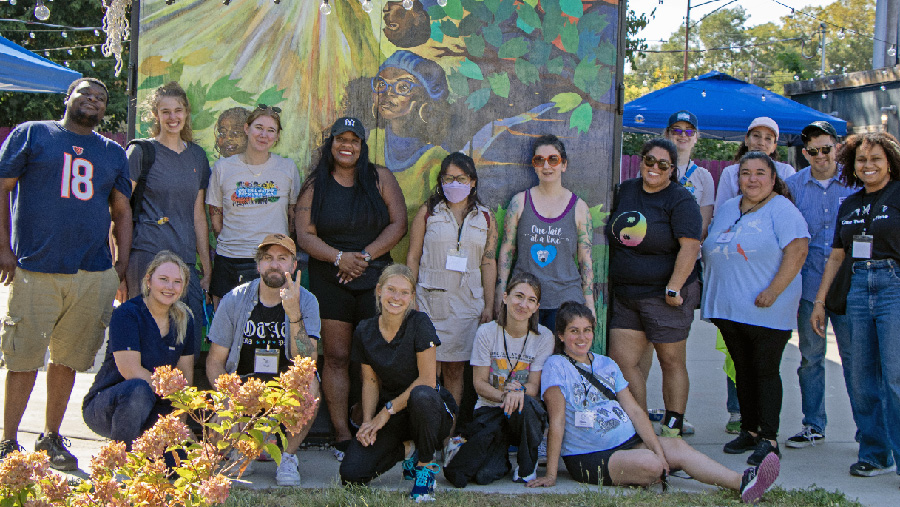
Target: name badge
<point>456,261</point>
<point>585,419</point>
<point>266,360</point>
<point>862,246</point>
<point>725,237</point>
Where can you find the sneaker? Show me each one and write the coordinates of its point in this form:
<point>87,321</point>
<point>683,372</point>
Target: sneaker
<point>453,446</point>
<point>55,445</point>
<point>743,443</point>
<point>665,431</point>
<point>758,479</point>
<point>423,489</point>
<point>237,466</point>
<point>409,466</point>
<point>763,448</point>
<point>339,449</point>
<point>542,453</point>
<point>8,447</point>
<point>524,480</point>
<point>863,469</point>
<point>733,426</point>
<point>288,473</point>
<point>808,436</point>
<point>687,429</point>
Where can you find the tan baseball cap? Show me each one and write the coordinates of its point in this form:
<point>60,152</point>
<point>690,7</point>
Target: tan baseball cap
<point>280,240</point>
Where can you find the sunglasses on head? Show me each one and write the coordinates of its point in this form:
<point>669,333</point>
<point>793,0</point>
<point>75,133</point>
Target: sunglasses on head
<point>815,151</point>
<point>273,108</point>
<point>683,132</point>
<point>553,160</point>
<point>650,161</point>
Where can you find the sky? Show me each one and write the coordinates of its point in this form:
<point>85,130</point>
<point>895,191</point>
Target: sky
<point>670,13</point>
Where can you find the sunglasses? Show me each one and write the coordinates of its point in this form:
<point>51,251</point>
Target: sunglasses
<point>683,132</point>
<point>650,161</point>
<point>273,108</point>
<point>538,161</point>
<point>815,151</point>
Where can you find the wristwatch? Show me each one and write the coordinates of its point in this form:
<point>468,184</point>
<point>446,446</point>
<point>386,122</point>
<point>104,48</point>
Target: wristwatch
<point>390,407</point>
<point>671,293</point>
<point>366,256</point>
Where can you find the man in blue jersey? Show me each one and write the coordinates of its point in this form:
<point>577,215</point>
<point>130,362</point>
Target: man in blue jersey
<point>61,184</point>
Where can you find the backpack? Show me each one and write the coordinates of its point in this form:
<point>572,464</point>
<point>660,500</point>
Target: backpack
<point>148,157</point>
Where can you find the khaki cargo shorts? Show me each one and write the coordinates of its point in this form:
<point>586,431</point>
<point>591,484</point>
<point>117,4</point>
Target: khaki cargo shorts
<point>67,313</point>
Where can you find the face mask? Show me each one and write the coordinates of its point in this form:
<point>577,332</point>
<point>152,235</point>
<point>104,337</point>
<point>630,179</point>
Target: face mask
<point>455,192</point>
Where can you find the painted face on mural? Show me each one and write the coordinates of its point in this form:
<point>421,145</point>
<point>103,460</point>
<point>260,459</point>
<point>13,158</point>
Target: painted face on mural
<point>397,19</point>
<point>397,93</point>
<point>230,137</point>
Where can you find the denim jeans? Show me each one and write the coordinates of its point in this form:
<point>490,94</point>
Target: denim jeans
<point>812,365</point>
<point>873,312</point>
<point>731,402</point>
<point>124,411</point>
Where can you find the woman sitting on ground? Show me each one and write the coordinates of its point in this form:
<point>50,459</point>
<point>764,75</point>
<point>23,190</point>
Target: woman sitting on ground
<point>605,437</point>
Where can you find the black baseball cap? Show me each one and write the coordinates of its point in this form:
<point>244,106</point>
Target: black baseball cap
<point>683,115</point>
<point>348,124</point>
<point>817,128</point>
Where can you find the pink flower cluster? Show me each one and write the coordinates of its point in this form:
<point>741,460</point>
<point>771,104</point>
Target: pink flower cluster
<point>215,490</point>
<point>19,470</point>
<point>299,376</point>
<point>55,487</point>
<point>167,381</point>
<point>167,431</point>
<point>296,382</point>
<point>111,457</point>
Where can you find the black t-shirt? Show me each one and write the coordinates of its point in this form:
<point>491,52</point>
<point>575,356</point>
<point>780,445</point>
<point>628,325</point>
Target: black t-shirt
<point>264,329</point>
<point>394,362</point>
<point>885,226</point>
<point>643,233</point>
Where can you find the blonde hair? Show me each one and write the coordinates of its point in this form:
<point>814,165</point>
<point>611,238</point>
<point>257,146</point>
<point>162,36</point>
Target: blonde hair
<point>395,270</point>
<point>150,108</point>
<point>179,311</point>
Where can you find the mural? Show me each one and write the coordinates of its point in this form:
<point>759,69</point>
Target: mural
<point>480,76</point>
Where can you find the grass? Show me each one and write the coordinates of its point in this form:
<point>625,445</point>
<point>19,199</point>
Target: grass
<point>612,497</point>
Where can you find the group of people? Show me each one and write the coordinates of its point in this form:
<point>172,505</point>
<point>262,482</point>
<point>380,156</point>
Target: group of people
<point>389,332</point>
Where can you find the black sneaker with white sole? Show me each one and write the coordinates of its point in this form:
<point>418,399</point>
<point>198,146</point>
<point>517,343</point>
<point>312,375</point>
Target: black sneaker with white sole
<point>8,447</point>
<point>863,469</point>
<point>743,443</point>
<point>808,436</point>
<point>758,479</point>
<point>763,449</point>
<point>56,447</point>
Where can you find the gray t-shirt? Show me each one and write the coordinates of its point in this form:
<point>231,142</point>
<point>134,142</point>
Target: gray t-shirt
<point>509,357</point>
<point>255,201</point>
<point>166,221</point>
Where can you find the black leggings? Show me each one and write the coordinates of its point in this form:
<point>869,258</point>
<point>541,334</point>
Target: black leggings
<point>426,421</point>
<point>756,352</point>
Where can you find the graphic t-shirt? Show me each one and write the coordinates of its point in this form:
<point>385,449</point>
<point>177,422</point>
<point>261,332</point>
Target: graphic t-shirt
<point>611,425</point>
<point>699,183</point>
<point>643,233</point>
<point>60,206</point>
<point>885,223</point>
<point>509,358</point>
<point>264,330</point>
<point>255,201</point>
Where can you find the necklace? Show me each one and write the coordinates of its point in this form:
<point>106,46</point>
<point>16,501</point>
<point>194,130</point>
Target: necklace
<point>241,157</point>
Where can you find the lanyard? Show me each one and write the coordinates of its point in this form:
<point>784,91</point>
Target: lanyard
<point>688,173</point>
<point>584,386</point>
<point>765,199</point>
<point>506,351</point>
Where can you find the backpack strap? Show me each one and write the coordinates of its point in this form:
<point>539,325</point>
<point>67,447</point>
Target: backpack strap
<point>148,157</point>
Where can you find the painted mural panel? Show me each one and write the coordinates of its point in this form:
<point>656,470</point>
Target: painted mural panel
<point>479,76</point>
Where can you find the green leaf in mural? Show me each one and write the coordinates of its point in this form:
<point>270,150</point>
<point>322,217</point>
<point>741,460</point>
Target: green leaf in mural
<point>499,84</point>
<point>526,71</point>
<point>226,88</point>
<point>569,35</point>
<point>606,53</point>
<point>592,21</point>
<point>470,69</point>
<point>478,98</point>
<point>196,94</point>
<point>477,8</point>
<point>492,5</point>
<point>493,35</point>
<point>272,96</point>
<point>581,118</point>
<point>152,82</point>
<point>566,102</point>
<point>524,26</point>
<point>532,3</point>
<point>585,74</point>
<point>436,33</point>
<point>507,7</point>
<point>573,8</point>
<point>540,52</point>
<point>529,16</point>
<point>202,120</point>
<point>449,28</point>
<point>459,84</point>
<point>601,84</point>
<point>475,45</point>
<point>513,48</point>
<point>436,12</point>
<point>454,9</point>
<point>469,25</point>
<point>555,66</point>
<point>551,27</point>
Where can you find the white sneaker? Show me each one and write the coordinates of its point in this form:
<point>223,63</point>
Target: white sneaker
<point>530,477</point>
<point>288,473</point>
<point>452,448</point>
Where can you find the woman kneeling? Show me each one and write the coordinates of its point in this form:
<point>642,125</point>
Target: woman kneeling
<point>605,437</point>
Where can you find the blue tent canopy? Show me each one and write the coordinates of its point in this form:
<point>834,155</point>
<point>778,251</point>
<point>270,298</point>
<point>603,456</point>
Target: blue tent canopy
<point>724,107</point>
<point>23,71</point>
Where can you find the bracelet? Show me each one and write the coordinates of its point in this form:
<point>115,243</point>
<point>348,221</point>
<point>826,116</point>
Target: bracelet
<point>337,258</point>
<point>297,321</point>
<point>819,302</point>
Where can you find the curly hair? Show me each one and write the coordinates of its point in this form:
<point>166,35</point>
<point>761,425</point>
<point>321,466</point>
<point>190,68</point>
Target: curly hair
<point>847,156</point>
<point>150,108</point>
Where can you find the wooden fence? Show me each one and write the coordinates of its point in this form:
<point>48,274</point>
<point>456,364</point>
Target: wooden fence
<point>631,167</point>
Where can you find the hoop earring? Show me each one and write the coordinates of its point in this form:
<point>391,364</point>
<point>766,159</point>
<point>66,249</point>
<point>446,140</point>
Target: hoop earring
<point>373,111</point>
<point>420,113</point>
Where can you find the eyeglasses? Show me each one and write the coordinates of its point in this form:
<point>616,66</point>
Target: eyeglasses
<point>683,132</point>
<point>462,178</point>
<point>273,108</point>
<point>538,161</point>
<point>233,133</point>
<point>650,161</point>
<point>815,151</point>
<point>401,87</point>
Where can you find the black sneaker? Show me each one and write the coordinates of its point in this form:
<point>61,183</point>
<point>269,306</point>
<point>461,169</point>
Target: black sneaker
<point>863,469</point>
<point>763,448</point>
<point>807,436</point>
<point>8,447</point>
<point>743,443</point>
<point>55,445</point>
<point>758,479</point>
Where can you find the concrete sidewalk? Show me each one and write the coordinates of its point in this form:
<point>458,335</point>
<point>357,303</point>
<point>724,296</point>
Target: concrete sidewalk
<point>825,465</point>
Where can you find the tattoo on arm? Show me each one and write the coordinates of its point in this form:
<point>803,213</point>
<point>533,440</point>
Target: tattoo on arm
<point>585,237</point>
<point>303,343</point>
<point>508,250</point>
<point>490,247</point>
<point>215,210</point>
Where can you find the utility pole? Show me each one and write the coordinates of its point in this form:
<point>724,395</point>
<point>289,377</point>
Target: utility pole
<point>687,38</point>
<point>822,28</point>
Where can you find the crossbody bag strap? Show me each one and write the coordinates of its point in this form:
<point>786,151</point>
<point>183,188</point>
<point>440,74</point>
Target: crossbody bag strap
<point>605,391</point>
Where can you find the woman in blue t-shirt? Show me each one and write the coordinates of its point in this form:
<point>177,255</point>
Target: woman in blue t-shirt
<point>605,437</point>
<point>146,332</point>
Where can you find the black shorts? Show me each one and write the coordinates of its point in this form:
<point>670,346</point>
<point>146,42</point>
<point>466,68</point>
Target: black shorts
<point>228,273</point>
<point>593,467</point>
<point>337,302</point>
<point>660,322</point>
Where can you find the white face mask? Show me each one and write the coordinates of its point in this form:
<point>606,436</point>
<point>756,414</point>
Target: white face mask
<point>455,192</point>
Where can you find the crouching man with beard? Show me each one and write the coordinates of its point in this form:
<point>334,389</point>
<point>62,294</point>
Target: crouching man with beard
<point>261,326</point>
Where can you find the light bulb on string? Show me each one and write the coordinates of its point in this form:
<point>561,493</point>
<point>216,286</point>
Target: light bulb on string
<point>64,35</point>
<point>892,51</point>
<point>66,63</point>
<point>824,96</point>
<point>69,51</point>
<point>94,49</point>
<point>442,3</point>
<point>93,63</point>
<point>763,98</point>
<point>841,34</point>
<point>367,5</point>
<point>796,77</point>
<point>407,4</point>
<point>31,35</point>
<point>96,33</point>
<point>41,12</point>
<point>325,8</point>
<point>883,88</point>
<point>46,53</point>
<point>12,2</point>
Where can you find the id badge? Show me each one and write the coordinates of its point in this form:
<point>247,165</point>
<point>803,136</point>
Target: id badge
<point>862,246</point>
<point>456,261</point>
<point>266,361</point>
<point>725,237</point>
<point>585,419</point>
